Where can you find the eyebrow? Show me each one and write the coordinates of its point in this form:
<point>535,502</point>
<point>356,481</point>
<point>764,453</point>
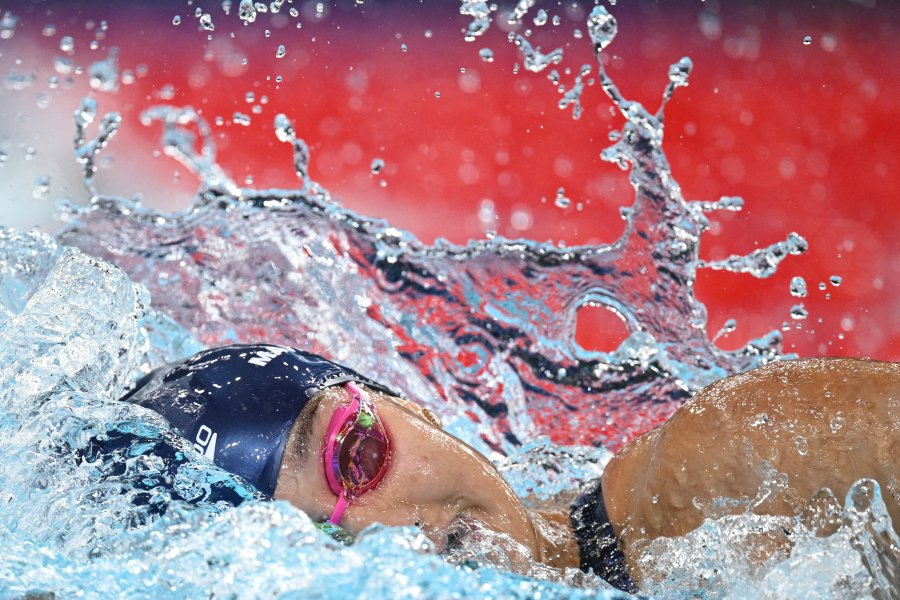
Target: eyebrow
<point>304,426</point>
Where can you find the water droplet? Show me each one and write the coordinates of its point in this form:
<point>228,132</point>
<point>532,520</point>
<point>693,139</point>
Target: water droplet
<point>679,72</point>
<point>655,499</point>
<point>807,40</point>
<point>247,11</point>
<point>835,280</point>
<point>798,287</point>
<point>486,54</point>
<point>41,188</point>
<point>280,51</point>
<point>206,22</point>
<point>802,445</point>
<point>8,25</point>
<point>729,326</point>
<point>176,20</point>
<point>760,419</point>
<point>241,119</point>
<point>540,18</point>
<point>67,44</point>
<point>799,312</point>
<point>561,200</point>
<point>167,92</point>
<point>837,422</point>
<point>602,27</point>
<point>377,166</point>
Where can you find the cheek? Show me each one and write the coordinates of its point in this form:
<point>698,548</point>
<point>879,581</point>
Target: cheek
<point>423,470</point>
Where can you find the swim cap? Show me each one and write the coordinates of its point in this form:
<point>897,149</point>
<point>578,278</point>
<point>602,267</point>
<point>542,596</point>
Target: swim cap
<point>236,404</point>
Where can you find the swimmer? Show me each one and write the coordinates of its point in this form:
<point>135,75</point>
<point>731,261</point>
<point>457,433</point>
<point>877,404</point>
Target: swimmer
<point>349,451</point>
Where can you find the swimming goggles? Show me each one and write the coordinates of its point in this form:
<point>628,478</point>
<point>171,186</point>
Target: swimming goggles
<point>356,450</point>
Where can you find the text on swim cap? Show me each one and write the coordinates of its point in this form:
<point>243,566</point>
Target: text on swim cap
<point>262,357</point>
<point>205,442</point>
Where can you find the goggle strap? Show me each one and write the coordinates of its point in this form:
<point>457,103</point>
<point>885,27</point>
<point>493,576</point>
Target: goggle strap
<point>339,509</point>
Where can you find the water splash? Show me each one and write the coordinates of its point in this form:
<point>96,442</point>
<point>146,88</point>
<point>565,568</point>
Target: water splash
<point>480,11</point>
<point>488,326</point>
<point>723,558</point>
<point>533,59</point>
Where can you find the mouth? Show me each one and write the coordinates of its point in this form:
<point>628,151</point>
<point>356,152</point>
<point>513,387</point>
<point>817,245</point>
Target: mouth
<point>454,536</point>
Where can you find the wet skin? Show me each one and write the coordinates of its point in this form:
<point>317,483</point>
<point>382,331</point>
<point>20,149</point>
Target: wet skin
<point>846,411</point>
<point>433,479</point>
<point>824,423</point>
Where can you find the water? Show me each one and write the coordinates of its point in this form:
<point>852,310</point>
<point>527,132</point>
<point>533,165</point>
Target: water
<point>482,334</point>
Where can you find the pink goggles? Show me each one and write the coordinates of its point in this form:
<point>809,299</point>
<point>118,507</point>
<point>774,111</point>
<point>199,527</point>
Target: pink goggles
<point>356,450</point>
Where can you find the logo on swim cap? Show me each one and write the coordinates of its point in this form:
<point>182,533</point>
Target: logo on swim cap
<point>263,357</point>
<point>206,442</point>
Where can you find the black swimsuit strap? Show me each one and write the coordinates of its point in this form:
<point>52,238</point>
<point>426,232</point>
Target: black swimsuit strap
<point>597,541</point>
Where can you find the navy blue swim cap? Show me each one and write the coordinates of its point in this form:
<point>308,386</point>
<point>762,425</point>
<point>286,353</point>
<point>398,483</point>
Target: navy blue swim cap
<point>237,404</point>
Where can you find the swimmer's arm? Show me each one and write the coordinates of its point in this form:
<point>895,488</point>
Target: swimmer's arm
<point>721,442</point>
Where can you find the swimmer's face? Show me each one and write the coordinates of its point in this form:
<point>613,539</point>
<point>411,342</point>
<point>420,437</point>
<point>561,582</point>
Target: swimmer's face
<point>433,480</point>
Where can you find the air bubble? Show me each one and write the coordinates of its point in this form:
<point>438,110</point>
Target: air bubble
<point>377,166</point>
<point>176,20</point>
<point>835,280</point>
<point>49,30</point>
<point>206,22</point>
<point>241,119</point>
<point>486,54</point>
<point>280,51</point>
<point>807,40</point>
<point>540,18</point>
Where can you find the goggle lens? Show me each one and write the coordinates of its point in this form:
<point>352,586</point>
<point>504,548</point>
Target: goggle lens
<point>361,454</point>
<point>356,450</point>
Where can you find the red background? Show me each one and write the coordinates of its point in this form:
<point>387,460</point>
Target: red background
<point>806,134</point>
